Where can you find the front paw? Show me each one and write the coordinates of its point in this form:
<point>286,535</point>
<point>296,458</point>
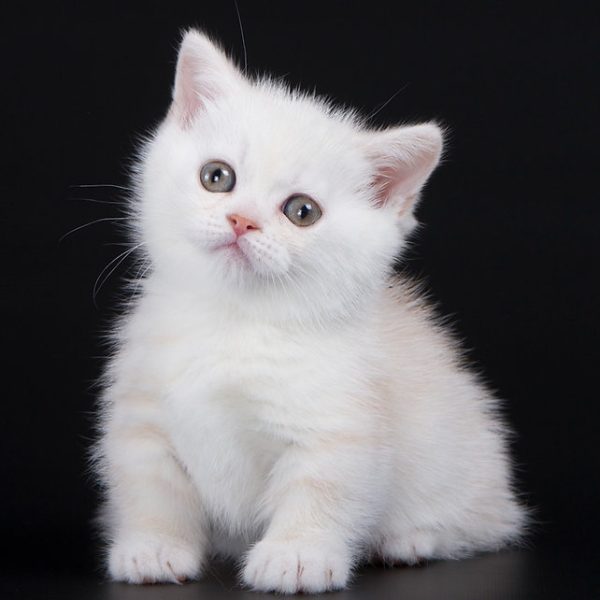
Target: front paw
<point>296,566</point>
<point>153,559</point>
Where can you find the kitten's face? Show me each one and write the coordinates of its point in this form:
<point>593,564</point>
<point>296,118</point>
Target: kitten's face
<point>248,185</point>
<point>280,157</point>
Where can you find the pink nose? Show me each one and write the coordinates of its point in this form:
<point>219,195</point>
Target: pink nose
<point>241,225</point>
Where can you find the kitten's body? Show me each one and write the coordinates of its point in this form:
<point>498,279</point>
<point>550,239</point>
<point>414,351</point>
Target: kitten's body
<point>313,410</point>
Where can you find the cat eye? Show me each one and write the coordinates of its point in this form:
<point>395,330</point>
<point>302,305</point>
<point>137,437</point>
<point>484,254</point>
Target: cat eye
<point>217,176</point>
<point>301,210</point>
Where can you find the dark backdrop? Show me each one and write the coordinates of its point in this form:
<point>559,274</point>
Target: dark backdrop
<point>509,249</point>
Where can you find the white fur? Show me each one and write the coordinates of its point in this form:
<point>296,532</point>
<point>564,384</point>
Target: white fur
<point>300,407</point>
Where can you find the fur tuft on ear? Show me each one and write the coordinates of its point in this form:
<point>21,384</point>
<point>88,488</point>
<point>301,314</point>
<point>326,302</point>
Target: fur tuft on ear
<point>204,73</point>
<point>403,158</point>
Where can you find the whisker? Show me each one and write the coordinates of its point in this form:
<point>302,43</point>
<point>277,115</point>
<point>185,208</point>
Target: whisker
<point>237,10</point>
<point>378,110</point>
<point>100,185</point>
<point>90,223</point>
<point>97,201</point>
<point>139,278</point>
<point>100,281</point>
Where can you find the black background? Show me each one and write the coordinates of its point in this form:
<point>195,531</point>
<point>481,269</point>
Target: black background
<point>509,249</point>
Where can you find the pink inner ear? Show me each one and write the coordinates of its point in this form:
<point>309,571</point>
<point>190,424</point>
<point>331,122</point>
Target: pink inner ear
<point>383,184</point>
<point>187,100</point>
<point>386,183</point>
<point>193,88</point>
<point>203,75</point>
<point>402,159</point>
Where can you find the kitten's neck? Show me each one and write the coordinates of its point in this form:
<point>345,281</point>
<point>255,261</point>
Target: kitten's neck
<point>269,303</point>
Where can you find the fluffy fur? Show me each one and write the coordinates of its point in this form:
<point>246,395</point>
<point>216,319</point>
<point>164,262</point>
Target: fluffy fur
<point>289,402</point>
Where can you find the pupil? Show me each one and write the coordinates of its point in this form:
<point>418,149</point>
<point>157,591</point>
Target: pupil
<point>303,211</point>
<point>216,175</point>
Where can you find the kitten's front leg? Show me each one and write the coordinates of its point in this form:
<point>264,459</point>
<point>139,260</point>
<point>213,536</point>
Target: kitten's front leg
<point>322,502</point>
<point>152,515</point>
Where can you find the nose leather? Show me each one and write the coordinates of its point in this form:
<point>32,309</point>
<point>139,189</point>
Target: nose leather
<point>241,225</point>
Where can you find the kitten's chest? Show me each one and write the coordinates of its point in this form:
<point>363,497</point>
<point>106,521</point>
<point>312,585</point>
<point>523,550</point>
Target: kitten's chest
<point>233,406</point>
<point>231,375</point>
<point>242,365</point>
<point>260,378</point>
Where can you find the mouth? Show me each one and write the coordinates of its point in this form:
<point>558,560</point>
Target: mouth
<point>232,249</point>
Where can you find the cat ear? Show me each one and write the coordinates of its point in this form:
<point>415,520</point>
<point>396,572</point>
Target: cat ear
<point>204,73</point>
<point>403,158</point>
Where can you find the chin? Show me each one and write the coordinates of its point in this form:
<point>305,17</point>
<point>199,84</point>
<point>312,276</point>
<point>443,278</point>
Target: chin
<point>233,254</point>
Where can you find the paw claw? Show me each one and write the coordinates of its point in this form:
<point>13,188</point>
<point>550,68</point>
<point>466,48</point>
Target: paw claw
<point>296,566</point>
<point>411,548</point>
<point>148,560</point>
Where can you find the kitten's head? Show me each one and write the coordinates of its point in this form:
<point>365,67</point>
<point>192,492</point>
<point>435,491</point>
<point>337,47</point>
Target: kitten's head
<point>254,191</point>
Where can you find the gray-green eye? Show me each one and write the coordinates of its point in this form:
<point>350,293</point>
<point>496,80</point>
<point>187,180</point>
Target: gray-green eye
<point>217,176</point>
<point>302,210</point>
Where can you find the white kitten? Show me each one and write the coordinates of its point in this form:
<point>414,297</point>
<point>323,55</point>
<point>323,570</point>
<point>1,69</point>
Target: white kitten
<point>277,393</point>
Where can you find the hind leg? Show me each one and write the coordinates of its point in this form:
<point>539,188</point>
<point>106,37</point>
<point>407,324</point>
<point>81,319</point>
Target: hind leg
<point>409,547</point>
<point>450,535</point>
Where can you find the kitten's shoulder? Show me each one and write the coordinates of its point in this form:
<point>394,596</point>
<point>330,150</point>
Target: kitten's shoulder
<point>407,295</point>
<point>408,315</point>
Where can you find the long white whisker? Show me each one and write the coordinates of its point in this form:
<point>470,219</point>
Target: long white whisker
<point>116,261</point>
<point>380,108</point>
<point>237,10</point>
<point>145,266</point>
<point>90,223</point>
<point>97,201</point>
<point>100,185</point>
